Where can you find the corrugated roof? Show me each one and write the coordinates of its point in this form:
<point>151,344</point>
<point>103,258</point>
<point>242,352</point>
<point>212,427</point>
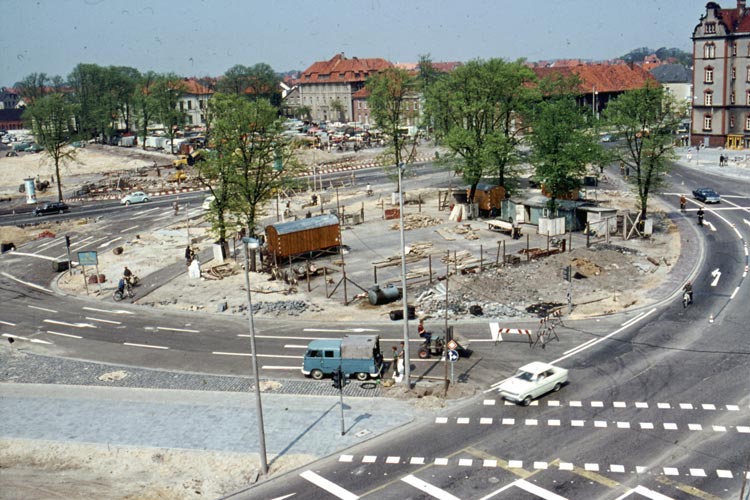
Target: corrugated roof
<point>305,224</point>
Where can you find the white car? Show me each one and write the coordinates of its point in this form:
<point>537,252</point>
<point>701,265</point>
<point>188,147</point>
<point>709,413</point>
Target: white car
<point>532,381</point>
<point>206,205</point>
<point>136,197</point>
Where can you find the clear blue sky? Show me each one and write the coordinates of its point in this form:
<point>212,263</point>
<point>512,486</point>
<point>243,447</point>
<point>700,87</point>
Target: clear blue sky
<point>206,37</point>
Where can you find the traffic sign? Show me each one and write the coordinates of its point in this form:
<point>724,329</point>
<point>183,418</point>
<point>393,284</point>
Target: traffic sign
<point>452,356</point>
<point>452,345</point>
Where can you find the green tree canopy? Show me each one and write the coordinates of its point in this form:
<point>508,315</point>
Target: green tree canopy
<point>50,117</point>
<point>645,119</point>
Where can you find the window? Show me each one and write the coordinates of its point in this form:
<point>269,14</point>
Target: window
<point>707,122</point>
<point>708,98</point>
<point>747,122</point>
<point>734,48</point>
<point>182,106</point>
<point>747,97</point>
<point>710,28</point>
<point>731,121</point>
<point>709,50</point>
<point>190,105</point>
<point>328,354</point>
<point>708,75</point>
<point>734,73</point>
<point>747,77</point>
<point>731,98</point>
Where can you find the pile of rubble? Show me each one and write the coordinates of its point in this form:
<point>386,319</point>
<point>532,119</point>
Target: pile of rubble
<point>281,307</point>
<point>431,303</point>
<point>417,221</point>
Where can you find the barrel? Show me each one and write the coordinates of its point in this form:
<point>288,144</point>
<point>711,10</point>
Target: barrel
<point>379,296</point>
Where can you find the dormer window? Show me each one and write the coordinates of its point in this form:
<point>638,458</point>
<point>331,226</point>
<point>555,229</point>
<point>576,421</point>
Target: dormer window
<point>710,28</point>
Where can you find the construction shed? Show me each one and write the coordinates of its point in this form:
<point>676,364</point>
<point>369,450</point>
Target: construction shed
<point>488,196</point>
<point>289,239</point>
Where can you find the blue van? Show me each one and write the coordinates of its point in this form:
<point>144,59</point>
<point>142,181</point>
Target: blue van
<point>357,355</point>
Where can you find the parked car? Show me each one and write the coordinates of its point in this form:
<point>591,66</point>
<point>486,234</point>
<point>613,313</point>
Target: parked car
<point>56,207</point>
<point>706,195</point>
<point>206,205</point>
<point>136,197</point>
<point>533,380</point>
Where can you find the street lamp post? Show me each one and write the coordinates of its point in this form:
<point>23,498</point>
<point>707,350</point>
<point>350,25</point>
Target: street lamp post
<point>252,244</point>
<point>407,364</point>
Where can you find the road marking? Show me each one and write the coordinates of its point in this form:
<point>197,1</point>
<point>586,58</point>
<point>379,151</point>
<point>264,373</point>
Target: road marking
<point>144,345</point>
<point>537,490</point>
<point>33,341</point>
<point>324,484</point>
<point>104,320</point>
<point>643,491</point>
<point>74,325</point>
<point>580,346</point>
<point>355,330</point>
<point>107,243</point>
<point>43,309</point>
<point>717,275</point>
<point>220,353</point>
<point>113,311</point>
<point>7,323</point>
<point>711,226</point>
<point>583,348</point>
<point>177,329</point>
<point>271,367</point>
<point>428,488</point>
<point>64,334</point>
<point>25,254</point>
<point>129,229</point>
<point>295,346</point>
<point>32,285</point>
<point>734,294</point>
<point>633,319</point>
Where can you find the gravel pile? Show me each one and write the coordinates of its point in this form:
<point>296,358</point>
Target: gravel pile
<point>281,307</point>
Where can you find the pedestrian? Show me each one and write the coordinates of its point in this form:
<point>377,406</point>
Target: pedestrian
<point>721,160</point>
<point>401,359</point>
<point>176,207</point>
<point>189,255</point>
<point>314,199</point>
<point>394,364</point>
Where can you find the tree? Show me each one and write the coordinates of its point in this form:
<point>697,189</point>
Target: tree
<point>478,111</point>
<point>339,108</point>
<point>255,82</point>
<point>51,118</point>
<point>34,86</point>
<point>303,112</point>
<point>166,93</point>
<point>145,104</point>
<point>251,148</point>
<point>562,146</point>
<point>645,119</point>
<point>391,92</point>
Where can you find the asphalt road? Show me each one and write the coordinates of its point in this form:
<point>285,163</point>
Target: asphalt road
<point>657,403</point>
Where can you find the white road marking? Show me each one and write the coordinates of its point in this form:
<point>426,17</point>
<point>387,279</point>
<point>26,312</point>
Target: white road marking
<point>710,226</point>
<point>43,309</point>
<point>646,425</point>
<point>355,330</point>
<point>697,472</point>
<point>295,346</point>
<point>441,420</point>
<point>324,484</point>
<point>230,353</point>
<point>642,490</point>
<point>74,325</point>
<point>671,471</point>
<point>112,311</point>
<point>7,323</point>
<point>540,465</point>
<point>129,229</point>
<point>32,285</point>
<point>725,474</point>
<point>537,490</point>
<point>64,334</point>
<point>428,488</point>
<point>695,427</point>
<point>33,341</point>
<point>177,329</point>
<point>708,406</point>
<point>346,458</point>
<point>580,346</point>
<point>670,426</point>
<point>717,275</point>
<point>393,460</point>
<point>104,320</point>
<point>271,367</point>
<point>47,245</point>
<point>633,319</point>
<point>417,461</point>
<point>584,347</point>
<point>25,254</point>
<point>145,345</point>
<point>107,243</point>
<point>734,294</point>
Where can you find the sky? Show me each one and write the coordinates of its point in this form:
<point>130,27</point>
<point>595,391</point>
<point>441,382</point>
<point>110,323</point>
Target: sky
<point>207,37</point>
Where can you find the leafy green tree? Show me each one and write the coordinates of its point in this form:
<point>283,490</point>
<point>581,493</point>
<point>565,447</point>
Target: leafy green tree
<point>34,86</point>
<point>645,120</point>
<point>145,104</point>
<point>562,146</point>
<point>217,174</point>
<point>166,92</point>
<point>391,93</point>
<point>256,82</point>
<point>50,117</point>
<point>478,110</point>
<point>427,72</point>
<point>250,145</point>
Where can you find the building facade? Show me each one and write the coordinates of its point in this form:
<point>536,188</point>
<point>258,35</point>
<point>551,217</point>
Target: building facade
<point>327,87</point>
<point>721,78</point>
<point>194,102</point>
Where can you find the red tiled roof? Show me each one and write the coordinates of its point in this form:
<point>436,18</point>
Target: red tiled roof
<point>362,93</point>
<point>605,77</point>
<point>340,69</point>
<point>193,87</point>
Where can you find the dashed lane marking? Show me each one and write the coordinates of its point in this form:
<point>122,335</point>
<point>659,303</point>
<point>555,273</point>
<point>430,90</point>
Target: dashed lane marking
<point>32,285</point>
<point>33,341</point>
<point>177,329</point>
<point>7,323</point>
<point>64,334</point>
<point>622,404</point>
<point>145,345</point>
<point>25,254</point>
<point>65,323</point>
<point>43,309</point>
<point>110,311</point>
<point>111,322</point>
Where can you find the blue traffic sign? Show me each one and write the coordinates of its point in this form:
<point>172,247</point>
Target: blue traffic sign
<point>452,356</point>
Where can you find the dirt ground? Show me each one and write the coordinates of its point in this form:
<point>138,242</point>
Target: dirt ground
<point>608,279</point>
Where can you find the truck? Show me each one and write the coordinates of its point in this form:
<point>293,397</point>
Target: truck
<point>356,355</point>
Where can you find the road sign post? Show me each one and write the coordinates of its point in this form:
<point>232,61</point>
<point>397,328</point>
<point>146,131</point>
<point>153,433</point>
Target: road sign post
<point>452,356</point>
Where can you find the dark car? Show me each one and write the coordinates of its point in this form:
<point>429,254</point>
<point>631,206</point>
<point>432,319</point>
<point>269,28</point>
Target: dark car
<point>706,195</point>
<point>56,207</point>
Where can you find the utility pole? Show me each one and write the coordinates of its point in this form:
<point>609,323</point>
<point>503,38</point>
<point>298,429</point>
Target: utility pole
<point>407,363</point>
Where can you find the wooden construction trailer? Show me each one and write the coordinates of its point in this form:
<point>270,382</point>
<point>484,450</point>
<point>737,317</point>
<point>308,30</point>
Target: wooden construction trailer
<point>289,239</point>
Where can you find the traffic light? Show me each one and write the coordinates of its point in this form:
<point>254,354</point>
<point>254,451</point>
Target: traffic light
<point>337,379</point>
<point>566,273</point>
<point>344,378</point>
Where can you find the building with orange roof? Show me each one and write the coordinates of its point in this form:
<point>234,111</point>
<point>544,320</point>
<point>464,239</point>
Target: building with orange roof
<point>721,77</point>
<point>600,83</point>
<point>328,85</point>
<point>194,102</point>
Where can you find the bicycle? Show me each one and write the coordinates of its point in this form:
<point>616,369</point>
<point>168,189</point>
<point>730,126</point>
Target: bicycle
<point>122,292</point>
